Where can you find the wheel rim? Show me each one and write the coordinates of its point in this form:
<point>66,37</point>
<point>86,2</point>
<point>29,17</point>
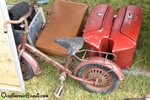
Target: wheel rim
<point>24,68</point>
<point>101,77</point>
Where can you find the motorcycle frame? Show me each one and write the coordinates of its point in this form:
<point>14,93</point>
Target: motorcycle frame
<point>65,69</point>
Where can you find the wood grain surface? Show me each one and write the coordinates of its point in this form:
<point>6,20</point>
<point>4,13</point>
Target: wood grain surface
<point>8,74</point>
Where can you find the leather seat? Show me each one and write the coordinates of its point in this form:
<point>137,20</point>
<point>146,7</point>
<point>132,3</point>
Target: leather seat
<point>67,19</point>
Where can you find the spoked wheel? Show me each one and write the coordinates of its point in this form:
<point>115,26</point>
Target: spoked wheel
<point>26,68</point>
<point>106,81</point>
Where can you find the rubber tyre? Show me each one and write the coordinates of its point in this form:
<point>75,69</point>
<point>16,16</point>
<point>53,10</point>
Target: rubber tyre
<point>27,71</point>
<point>106,87</point>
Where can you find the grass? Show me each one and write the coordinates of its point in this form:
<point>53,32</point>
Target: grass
<point>133,86</point>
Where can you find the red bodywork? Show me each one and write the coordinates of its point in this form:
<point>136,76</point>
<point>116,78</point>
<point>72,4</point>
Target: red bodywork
<point>125,33</point>
<point>122,39</point>
<point>98,27</point>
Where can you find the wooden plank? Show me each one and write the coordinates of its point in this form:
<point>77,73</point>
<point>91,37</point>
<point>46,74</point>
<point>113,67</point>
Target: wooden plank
<point>10,72</point>
<point>10,87</point>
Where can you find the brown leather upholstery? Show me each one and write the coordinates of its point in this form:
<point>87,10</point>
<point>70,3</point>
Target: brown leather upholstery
<point>67,19</point>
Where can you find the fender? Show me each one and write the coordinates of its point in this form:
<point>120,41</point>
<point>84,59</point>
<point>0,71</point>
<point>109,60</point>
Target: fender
<point>105,62</point>
<point>35,66</point>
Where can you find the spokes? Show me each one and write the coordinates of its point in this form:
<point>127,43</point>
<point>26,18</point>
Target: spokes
<point>100,76</point>
<point>24,67</point>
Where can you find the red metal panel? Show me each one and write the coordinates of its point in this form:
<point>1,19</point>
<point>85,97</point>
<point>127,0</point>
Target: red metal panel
<point>119,20</point>
<point>132,22</point>
<point>124,35</point>
<point>96,17</point>
<point>98,27</point>
<point>123,47</point>
<point>122,39</point>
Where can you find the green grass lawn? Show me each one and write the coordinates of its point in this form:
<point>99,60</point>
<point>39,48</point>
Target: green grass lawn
<point>133,86</point>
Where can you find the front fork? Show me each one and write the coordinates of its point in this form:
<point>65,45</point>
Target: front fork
<point>22,52</point>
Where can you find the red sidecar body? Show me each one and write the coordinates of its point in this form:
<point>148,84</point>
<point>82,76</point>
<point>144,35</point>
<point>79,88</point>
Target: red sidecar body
<point>98,28</point>
<point>117,35</point>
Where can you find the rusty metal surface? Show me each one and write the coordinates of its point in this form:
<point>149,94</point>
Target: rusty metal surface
<point>35,66</point>
<point>102,61</point>
<point>46,58</point>
<point>101,77</point>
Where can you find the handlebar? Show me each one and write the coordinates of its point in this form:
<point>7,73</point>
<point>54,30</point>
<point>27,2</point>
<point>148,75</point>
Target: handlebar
<point>23,18</point>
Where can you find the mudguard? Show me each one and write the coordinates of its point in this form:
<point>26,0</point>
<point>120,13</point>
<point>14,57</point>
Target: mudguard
<point>102,61</point>
<point>35,66</point>
<point>125,33</point>
<point>98,27</point>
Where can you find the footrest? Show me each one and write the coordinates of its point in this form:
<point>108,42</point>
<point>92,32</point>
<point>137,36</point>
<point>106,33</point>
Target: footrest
<point>59,91</point>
